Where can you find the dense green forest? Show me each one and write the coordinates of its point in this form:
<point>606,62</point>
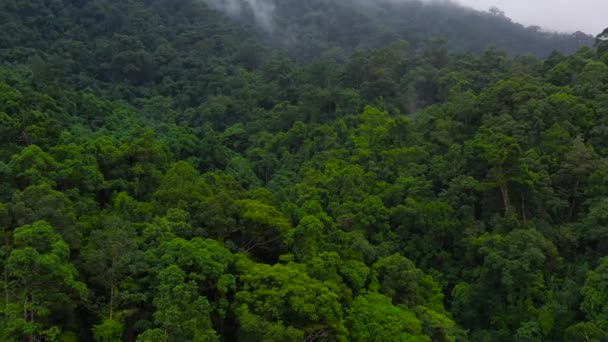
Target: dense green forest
<point>334,28</point>
<point>169,175</point>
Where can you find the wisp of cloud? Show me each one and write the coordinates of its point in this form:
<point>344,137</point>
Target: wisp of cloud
<point>262,10</point>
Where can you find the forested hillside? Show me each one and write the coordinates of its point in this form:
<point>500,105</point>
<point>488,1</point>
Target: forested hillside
<point>167,175</point>
<point>335,28</point>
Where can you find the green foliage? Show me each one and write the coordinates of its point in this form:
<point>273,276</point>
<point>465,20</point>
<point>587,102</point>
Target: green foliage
<point>378,22</point>
<point>255,328</point>
<point>168,174</point>
<point>586,331</point>
<point>285,293</point>
<point>372,317</point>
<point>180,312</point>
<point>514,278</point>
<point>181,186</point>
<point>108,331</point>
<point>40,283</point>
<point>594,296</point>
<point>398,278</point>
<point>600,42</point>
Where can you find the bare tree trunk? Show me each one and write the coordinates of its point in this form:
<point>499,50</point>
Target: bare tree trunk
<point>27,316</point>
<point>6,296</point>
<point>504,190</point>
<point>523,209</point>
<point>25,308</point>
<point>573,203</point>
<point>111,300</point>
<point>33,320</point>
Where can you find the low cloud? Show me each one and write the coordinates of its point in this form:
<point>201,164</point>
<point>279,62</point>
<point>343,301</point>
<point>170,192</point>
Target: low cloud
<point>262,10</point>
<point>558,15</point>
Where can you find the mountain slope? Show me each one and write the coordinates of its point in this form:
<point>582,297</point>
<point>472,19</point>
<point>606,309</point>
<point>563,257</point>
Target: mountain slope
<point>313,28</point>
<point>167,176</point>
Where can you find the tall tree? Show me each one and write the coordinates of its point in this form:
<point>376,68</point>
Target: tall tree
<point>42,284</point>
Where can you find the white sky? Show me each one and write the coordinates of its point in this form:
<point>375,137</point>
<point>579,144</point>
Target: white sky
<point>589,16</point>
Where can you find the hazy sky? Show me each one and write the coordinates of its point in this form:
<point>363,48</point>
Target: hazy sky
<point>590,16</point>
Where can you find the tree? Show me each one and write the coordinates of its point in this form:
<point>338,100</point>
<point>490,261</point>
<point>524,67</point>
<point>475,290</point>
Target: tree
<point>578,164</point>
<point>109,330</point>
<point>33,166</point>
<point>199,272</point>
<point>285,294</point>
<point>373,317</point>
<point>593,229</point>
<point>496,11</point>
<point>181,314</point>
<point>307,237</point>
<point>593,79</point>
<point>77,169</point>
<point>585,331</point>
<point>510,286</point>
<point>501,153</point>
<point>595,294</point>
<point>255,328</point>
<point>41,202</point>
<point>111,254</point>
<point>601,42</point>
<point>207,260</point>
<point>398,278</point>
<point>263,230</point>
<point>42,284</point>
<point>181,186</point>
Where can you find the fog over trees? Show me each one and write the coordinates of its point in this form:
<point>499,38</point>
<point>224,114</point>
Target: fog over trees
<point>332,28</point>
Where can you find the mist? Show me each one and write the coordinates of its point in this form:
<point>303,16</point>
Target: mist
<point>551,15</point>
<point>308,29</point>
<point>588,16</point>
<point>262,10</point>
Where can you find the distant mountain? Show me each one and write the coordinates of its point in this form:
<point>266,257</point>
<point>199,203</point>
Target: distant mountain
<point>601,41</point>
<point>330,27</point>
